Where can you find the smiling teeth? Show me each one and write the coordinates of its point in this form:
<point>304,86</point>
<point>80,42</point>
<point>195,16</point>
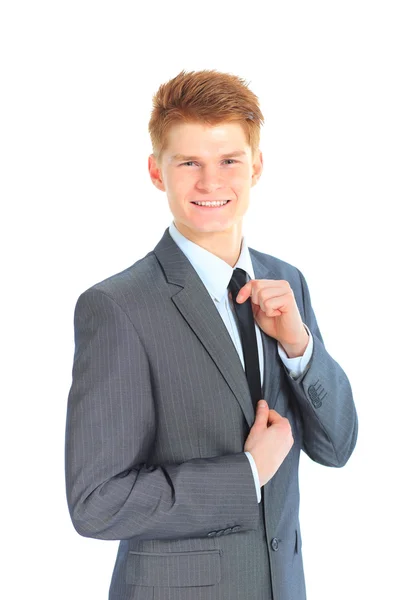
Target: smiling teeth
<point>211,203</point>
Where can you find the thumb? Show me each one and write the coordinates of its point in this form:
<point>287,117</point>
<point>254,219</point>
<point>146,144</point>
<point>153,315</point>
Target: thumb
<point>262,410</point>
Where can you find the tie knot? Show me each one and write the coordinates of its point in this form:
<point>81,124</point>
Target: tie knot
<point>238,280</point>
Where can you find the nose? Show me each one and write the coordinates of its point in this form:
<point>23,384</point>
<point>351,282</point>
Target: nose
<point>209,179</point>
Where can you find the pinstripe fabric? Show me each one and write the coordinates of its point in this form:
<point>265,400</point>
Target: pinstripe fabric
<point>216,274</point>
<point>158,413</point>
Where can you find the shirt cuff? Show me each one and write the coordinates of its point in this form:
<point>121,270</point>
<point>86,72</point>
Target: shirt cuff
<point>255,475</point>
<point>297,365</point>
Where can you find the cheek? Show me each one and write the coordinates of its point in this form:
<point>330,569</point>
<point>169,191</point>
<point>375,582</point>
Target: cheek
<point>240,185</point>
<point>240,179</point>
<point>180,184</point>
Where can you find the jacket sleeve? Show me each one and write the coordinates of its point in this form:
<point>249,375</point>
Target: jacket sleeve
<point>323,398</point>
<point>111,425</point>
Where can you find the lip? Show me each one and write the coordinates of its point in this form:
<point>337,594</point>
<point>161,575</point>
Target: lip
<point>211,207</point>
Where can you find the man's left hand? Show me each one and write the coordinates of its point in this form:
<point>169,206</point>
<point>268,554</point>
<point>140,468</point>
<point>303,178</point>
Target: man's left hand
<point>276,313</point>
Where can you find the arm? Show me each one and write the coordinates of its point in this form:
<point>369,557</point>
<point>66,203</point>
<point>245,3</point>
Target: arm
<point>112,491</point>
<point>323,398</point>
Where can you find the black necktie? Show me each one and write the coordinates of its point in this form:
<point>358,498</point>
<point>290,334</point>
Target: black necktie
<point>247,332</point>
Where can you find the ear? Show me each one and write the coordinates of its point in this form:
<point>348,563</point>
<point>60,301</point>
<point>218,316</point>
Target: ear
<point>257,167</point>
<point>155,173</point>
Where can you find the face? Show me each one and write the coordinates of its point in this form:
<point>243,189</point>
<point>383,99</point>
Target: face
<point>206,163</point>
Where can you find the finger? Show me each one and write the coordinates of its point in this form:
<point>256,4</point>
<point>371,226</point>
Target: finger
<point>245,291</point>
<point>262,290</point>
<point>277,305</point>
<point>263,403</point>
<point>268,295</point>
<point>273,417</point>
<point>262,408</point>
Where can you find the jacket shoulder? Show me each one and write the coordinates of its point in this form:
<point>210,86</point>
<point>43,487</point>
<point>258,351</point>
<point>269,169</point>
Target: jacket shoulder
<point>133,280</point>
<point>281,268</point>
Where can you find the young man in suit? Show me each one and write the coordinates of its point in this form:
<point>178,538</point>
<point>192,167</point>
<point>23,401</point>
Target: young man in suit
<point>169,448</point>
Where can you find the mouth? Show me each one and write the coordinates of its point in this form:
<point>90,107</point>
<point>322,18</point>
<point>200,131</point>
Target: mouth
<point>211,206</point>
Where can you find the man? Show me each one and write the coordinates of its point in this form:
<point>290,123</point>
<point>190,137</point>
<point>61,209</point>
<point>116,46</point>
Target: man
<point>168,445</point>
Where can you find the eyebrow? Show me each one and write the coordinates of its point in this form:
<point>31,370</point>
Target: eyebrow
<point>182,157</point>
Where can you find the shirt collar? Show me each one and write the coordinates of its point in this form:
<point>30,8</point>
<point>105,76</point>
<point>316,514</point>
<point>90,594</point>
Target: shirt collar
<point>214,272</point>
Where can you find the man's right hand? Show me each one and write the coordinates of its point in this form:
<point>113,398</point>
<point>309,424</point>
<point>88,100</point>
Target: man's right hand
<point>269,441</point>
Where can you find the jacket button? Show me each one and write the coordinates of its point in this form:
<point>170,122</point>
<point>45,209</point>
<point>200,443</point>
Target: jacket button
<point>219,533</point>
<point>274,544</point>
<point>235,529</point>
<point>211,534</point>
<point>228,530</point>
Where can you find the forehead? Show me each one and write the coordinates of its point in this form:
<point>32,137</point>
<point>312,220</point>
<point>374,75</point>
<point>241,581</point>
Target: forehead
<point>197,140</point>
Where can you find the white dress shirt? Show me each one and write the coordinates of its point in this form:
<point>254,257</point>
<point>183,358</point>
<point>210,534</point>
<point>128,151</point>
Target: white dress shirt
<point>216,274</point>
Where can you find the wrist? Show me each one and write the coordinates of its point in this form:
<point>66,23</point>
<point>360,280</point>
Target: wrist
<point>298,349</point>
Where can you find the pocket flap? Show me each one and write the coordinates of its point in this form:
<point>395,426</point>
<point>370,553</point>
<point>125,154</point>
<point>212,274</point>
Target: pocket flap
<point>174,569</point>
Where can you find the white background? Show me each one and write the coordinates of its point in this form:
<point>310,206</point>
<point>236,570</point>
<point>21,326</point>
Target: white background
<point>78,205</point>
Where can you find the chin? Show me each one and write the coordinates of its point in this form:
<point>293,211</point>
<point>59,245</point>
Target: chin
<point>210,227</point>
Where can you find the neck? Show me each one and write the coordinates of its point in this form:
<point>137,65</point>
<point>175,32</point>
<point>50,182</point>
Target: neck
<point>224,244</point>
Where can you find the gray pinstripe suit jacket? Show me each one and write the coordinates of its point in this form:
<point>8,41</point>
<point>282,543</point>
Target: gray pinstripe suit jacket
<point>158,413</point>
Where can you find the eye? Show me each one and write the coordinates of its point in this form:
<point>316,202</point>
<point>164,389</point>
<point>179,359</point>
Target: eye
<point>191,162</point>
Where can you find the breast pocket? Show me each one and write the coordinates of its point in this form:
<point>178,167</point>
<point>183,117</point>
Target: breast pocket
<point>174,569</point>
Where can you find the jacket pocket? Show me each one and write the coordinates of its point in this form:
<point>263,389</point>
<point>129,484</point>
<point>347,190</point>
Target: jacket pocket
<point>173,569</point>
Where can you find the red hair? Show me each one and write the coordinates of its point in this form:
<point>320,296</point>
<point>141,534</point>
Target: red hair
<point>208,97</point>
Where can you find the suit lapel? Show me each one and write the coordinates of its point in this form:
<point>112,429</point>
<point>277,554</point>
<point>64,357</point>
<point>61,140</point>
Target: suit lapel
<point>193,301</point>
